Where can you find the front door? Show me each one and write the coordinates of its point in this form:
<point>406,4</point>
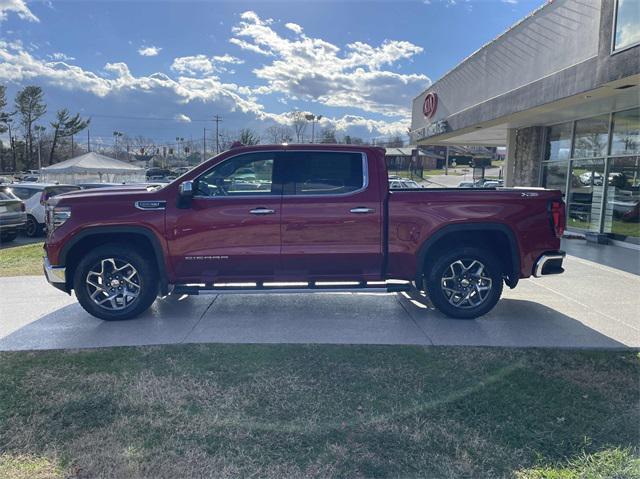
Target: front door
<point>232,230</point>
<point>331,217</point>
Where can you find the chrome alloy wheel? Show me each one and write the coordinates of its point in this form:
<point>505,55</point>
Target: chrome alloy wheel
<point>113,284</point>
<point>465,283</point>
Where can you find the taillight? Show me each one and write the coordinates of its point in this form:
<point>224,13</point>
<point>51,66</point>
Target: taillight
<point>558,217</point>
<point>23,207</point>
<point>43,198</point>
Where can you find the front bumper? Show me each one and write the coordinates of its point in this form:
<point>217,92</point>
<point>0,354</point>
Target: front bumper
<point>549,263</point>
<point>56,275</point>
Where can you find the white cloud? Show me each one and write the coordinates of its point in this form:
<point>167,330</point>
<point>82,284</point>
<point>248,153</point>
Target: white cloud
<point>201,64</point>
<point>149,51</point>
<point>193,65</point>
<point>61,57</point>
<point>294,27</point>
<point>183,118</point>
<point>313,69</point>
<point>19,7</point>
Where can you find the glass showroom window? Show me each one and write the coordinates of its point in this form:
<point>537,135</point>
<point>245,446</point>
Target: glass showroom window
<point>554,175</point>
<point>627,24</point>
<point>626,132</point>
<point>622,212</point>
<point>559,142</point>
<point>591,137</point>
<point>586,190</point>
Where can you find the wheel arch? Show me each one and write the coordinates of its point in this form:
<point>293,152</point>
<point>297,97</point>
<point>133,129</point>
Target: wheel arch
<point>469,234</point>
<point>89,238</point>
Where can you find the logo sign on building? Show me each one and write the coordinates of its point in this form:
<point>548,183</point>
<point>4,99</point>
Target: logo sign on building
<point>430,105</point>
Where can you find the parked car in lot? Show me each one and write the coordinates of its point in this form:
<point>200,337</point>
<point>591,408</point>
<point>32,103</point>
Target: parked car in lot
<point>13,217</point>
<point>328,221</point>
<point>403,184</point>
<point>35,196</point>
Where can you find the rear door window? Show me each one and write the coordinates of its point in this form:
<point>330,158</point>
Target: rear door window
<point>58,190</point>
<point>23,193</point>
<point>322,173</point>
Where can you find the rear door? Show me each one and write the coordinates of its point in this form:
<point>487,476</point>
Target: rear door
<point>331,217</point>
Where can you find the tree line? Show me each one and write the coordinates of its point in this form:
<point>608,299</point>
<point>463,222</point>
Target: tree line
<point>32,145</point>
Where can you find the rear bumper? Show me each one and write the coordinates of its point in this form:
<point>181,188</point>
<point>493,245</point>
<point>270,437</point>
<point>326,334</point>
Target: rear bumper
<point>549,263</point>
<point>56,275</point>
<point>13,224</point>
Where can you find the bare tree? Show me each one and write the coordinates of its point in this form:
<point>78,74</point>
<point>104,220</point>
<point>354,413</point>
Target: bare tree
<point>328,135</point>
<point>299,123</point>
<point>30,105</point>
<point>248,137</point>
<point>278,134</point>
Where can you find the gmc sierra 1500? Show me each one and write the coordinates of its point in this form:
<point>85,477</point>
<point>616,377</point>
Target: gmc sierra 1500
<point>292,218</point>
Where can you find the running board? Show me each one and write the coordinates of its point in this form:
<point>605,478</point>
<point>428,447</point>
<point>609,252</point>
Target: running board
<point>286,288</point>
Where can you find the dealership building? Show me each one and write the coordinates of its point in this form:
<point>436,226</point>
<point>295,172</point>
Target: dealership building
<point>560,89</point>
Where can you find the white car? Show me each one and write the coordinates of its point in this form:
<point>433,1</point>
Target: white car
<point>35,196</point>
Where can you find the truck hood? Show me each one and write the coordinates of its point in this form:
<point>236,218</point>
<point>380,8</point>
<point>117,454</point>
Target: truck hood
<point>141,191</point>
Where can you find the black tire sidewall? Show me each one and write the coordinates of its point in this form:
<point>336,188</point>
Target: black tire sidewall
<point>146,272</point>
<point>434,287</point>
<point>37,230</point>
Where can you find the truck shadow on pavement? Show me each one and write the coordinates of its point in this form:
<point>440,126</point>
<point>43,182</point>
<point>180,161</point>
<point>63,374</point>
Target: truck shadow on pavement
<point>331,318</point>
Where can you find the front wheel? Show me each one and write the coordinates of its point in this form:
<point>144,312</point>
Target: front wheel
<point>114,282</point>
<point>465,283</point>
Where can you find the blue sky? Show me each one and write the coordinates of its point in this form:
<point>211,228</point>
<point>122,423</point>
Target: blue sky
<point>162,68</point>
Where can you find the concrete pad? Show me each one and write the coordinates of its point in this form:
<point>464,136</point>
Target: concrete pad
<point>590,306</point>
<point>33,315</point>
<point>351,318</point>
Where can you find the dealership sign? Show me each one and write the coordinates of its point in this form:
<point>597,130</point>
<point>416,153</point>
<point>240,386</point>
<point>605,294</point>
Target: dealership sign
<point>430,105</point>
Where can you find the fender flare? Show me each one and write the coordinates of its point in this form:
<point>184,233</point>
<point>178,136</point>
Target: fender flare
<point>512,277</point>
<point>137,230</point>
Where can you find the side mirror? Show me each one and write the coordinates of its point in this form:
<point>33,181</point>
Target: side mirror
<point>186,194</point>
<point>186,189</point>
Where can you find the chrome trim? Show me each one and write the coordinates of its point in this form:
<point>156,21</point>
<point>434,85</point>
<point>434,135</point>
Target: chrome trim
<point>162,205</point>
<point>262,211</point>
<point>537,270</point>
<point>361,210</point>
<point>365,176</point>
<point>55,274</point>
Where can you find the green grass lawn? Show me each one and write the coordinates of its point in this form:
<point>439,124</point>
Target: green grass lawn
<point>21,260</point>
<point>280,411</point>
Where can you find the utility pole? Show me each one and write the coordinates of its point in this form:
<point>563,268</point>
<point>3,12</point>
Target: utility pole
<point>217,119</point>
<point>446,161</point>
<point>204,144</point>
<point>88,140</point>
<point>72,145</point>
<point>313,119</point>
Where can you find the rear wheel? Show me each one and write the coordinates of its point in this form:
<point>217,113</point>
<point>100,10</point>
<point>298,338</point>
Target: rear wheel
<point>33,228</point>
<point>465,283</point>
<point>114,282</point>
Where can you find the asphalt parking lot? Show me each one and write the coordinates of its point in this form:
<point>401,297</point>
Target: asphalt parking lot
<point>590,306</point>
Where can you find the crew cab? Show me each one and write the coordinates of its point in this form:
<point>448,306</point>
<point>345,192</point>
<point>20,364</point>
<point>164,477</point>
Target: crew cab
<point>291,218</point>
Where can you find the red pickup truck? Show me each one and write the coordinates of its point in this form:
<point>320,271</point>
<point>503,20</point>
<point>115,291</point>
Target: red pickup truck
<point>291,218</point>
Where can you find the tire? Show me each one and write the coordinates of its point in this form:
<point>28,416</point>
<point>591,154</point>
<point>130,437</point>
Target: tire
<point>104,275</point>
<point>8,237</point>
<point>465,294</point>
<point>33,229</point>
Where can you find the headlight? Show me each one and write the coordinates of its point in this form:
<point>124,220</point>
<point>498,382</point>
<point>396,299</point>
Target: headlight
<point>56,216</point>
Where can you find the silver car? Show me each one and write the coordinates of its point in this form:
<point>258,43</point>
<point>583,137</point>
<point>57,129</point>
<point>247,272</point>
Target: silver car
<point>13,215</point>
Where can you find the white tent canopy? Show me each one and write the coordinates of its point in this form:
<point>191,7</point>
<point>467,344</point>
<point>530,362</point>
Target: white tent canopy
<point>92,167</point>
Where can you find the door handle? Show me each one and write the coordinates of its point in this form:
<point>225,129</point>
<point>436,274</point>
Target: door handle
<point>262,211</point>
<point>361,210</point>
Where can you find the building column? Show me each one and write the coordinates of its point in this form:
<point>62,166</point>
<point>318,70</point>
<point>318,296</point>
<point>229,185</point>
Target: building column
<point>527,157</point>
<point>509,160</point>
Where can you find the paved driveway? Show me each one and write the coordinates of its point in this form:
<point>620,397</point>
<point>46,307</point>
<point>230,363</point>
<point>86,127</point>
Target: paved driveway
<point>591,306</point>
